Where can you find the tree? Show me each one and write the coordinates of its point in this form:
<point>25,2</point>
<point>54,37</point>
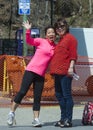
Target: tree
<point>90,6</point>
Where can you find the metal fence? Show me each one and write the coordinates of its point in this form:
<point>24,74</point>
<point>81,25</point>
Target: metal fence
<point>8,46</point>
<point>12,69</point>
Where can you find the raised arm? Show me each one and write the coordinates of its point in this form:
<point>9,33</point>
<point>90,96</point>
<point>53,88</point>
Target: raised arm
<point>27,25</point>
<point>29,39</point>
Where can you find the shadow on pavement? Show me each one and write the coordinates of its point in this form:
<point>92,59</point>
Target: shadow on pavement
<point>76,122</point>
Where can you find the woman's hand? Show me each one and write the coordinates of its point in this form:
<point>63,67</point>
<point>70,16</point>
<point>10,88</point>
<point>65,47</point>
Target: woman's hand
<point>27,25</point>
<point>70,71</point>
<point>71,68</point>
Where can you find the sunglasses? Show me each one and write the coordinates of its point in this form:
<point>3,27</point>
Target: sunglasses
<point>60,27</point>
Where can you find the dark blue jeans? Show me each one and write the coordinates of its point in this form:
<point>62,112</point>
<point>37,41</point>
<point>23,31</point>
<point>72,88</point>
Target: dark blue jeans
<point>64,96</point>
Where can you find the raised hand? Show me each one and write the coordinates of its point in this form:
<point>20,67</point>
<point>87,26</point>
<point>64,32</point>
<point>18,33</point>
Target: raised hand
<point>27,25</point>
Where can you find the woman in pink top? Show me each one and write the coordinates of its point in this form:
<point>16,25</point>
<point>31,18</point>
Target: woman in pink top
<point>35,71</point>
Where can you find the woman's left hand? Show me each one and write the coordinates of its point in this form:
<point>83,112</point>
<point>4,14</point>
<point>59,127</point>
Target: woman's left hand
<point>70,71</point>
<point>27,25</point>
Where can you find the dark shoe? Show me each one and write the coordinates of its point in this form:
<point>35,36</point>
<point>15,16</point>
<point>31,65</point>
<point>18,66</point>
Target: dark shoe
<point>67,123</point>
<point>60,123</point>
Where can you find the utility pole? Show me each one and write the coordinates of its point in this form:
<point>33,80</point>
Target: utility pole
<point>51,12</point>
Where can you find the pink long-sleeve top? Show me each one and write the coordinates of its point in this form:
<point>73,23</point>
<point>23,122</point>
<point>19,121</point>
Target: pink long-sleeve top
<point>43,54</point>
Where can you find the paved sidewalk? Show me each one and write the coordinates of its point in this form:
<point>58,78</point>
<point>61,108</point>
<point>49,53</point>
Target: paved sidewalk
<point>49,115</point>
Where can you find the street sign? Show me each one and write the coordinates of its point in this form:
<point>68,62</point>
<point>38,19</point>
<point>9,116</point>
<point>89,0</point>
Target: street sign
<point>24,7</point>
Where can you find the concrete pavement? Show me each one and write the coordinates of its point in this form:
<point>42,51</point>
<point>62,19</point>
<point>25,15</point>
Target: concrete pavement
<point>49,115</point>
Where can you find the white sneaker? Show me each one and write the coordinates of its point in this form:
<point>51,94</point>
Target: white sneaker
<point>37,123</point>
<point>11,119</point>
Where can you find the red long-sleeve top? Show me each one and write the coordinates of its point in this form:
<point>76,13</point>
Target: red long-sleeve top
<point>65,51</point>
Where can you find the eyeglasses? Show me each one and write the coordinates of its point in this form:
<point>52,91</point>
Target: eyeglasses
<point>60,27</point>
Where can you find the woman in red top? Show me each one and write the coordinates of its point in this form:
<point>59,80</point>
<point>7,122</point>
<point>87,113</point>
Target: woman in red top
<point>62,67</point>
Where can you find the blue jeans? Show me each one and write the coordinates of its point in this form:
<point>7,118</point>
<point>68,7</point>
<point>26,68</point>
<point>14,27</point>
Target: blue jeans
<point>64,96</point>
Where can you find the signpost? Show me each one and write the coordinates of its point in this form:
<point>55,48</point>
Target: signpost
<point>24,9</point>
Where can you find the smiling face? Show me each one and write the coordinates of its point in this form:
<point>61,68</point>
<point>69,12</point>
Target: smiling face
<point>61,30</point>
<point>61,27</point>
<point>50,34</point>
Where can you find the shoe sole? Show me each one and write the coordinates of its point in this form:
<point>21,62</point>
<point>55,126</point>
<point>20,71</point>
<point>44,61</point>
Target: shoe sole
<point>38,125</point>
<point>58,124</point>
<point>14,122</point>
<point>9,124</point>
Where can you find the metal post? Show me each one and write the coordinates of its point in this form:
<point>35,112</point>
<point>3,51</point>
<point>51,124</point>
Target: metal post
<point>51,12</point>
<point>24,38</point>
<point>24,9</point>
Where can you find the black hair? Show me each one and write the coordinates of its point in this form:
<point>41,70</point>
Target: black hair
<point>59,23</point>
<point>48,27</point>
